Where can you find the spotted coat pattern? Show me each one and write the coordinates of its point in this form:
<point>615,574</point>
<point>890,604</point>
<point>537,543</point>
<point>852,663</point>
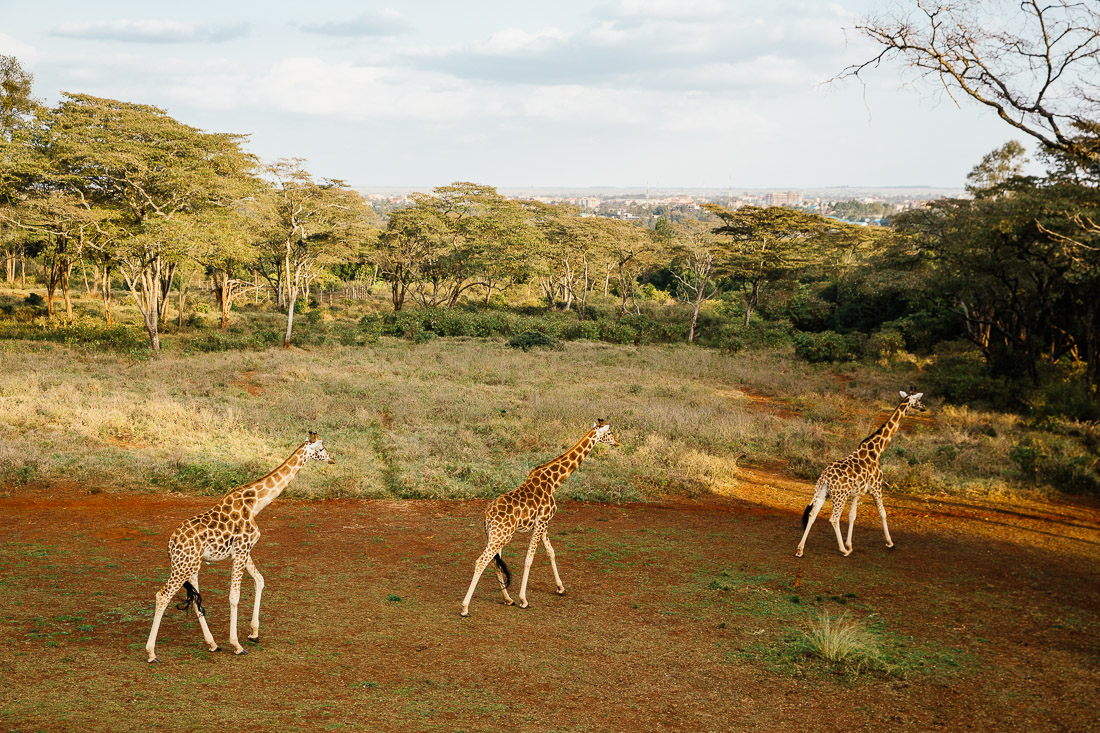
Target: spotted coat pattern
<point>856,475</point>
<point>530,507</point>
<point>228,530</point>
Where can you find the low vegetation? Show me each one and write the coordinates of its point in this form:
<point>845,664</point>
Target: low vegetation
<point>416,415</point>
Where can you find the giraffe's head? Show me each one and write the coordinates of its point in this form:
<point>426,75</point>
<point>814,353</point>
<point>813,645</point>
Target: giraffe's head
<point>603,433</point>
<point>913,401</point>
<point>315,449</point>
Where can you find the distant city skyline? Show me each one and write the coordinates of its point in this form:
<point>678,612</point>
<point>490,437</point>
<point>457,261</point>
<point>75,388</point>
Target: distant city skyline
<point>673,94</point>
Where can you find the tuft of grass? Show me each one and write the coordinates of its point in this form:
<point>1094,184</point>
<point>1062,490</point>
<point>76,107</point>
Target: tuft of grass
<point>843,642</point>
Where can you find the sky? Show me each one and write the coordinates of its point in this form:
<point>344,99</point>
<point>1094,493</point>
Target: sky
<point>622,93</point>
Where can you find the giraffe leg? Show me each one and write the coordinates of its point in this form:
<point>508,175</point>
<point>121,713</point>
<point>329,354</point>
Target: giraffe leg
<point>834,519</point>
<point>536,536</point>
<point>553,563</point>
<point>882,513</point>
<point>250,566</point>
<point>852,520</point>
<point>164,597</point>
<point>815,508</point>
<point>210,643</point>
<point>234,599</point>
<point>479,567</point>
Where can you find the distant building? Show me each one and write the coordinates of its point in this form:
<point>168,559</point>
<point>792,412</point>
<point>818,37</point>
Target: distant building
<point>783,198</point>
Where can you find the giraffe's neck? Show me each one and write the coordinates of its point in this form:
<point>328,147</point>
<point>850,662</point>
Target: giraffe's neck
<point>271,485</point>
<point>877,441</point>
<point>572,458</point>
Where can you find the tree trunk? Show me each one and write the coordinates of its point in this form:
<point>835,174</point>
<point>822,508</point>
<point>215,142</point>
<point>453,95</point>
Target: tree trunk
<point>289,319</point>
<point>107,294</point>
<point>751,301</point>
<point>65,273</point>
<point>695,311</point>
<point>292,296</point>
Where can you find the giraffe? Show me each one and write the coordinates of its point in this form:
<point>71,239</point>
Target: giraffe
<point>229,529</point>
<point>855,475</point>
<point>531,506</point>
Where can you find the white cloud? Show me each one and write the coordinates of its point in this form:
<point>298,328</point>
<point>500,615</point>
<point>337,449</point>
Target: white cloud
<point>150,31</point>
<point>373,23</point>
<point>13,47</point>
<point>666,9</point>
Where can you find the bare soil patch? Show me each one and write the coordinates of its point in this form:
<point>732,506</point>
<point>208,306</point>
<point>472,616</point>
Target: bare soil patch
<point>677,617</point>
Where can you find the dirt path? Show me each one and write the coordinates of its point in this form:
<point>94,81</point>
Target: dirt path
<point>680,616</point>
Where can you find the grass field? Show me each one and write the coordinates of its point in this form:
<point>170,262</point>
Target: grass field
<point>460,418</point>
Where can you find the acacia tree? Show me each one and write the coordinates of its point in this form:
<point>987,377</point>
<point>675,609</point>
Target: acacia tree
<point>149,168</point>
<point>567,249</point>
<point>402,249</point>
<point>63,225</point>
<point>766,244</point>
<point>225,244</point>
<point>17,108</point>
<point>632,250</point>
<point>697,262</point>
<point>310,223</point>
<point>1021,295</point>
<point>1035,64</point>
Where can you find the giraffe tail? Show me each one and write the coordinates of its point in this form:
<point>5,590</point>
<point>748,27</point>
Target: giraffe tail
<point>193,596</point>
<point>504,569</point>
<point>821,488</point>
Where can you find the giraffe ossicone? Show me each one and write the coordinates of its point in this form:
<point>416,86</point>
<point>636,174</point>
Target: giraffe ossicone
<point>227,530</point>
<point>531,506</point>
<point>857,474</point>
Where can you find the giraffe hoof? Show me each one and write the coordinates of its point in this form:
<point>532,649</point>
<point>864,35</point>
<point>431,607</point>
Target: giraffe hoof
<point>509,602</point>
<point>215,649</point>
<point>255,640</point>
<point>524,604</point>
<point>464,614</point>
<point>154,660</point>
<point>890,546</point>
<point>798,553</point>
<point>241,652</point>
<point>561,591</point>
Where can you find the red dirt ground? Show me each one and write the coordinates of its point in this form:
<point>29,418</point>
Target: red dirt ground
<point>676,618</point>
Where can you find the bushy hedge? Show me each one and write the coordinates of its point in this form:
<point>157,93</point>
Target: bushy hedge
<point>829,346</point>
<point>418,325</point>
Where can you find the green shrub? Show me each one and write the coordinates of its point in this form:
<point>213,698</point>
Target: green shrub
<point>1064,398</point>
<point>827,346</point>
<point>884,344</point>
<point>809,311</point>
<point>534,340</point>
<point>959,375</point>
<point>370,328</point>
<point>1045,463</point>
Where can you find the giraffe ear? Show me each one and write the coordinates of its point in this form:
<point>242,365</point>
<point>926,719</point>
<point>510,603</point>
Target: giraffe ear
<point>600,423</point>
<point>903,395</point>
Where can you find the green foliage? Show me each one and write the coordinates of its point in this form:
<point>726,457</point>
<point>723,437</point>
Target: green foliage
<point>883,345</point>
<point>733,337</point>
<point>1047,461</point>
<point>534,340</point>
<point>828,346</point>
<point>960,376</point>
